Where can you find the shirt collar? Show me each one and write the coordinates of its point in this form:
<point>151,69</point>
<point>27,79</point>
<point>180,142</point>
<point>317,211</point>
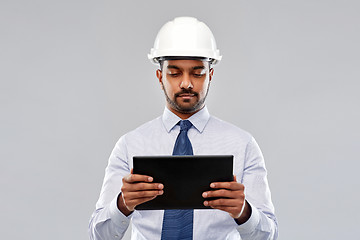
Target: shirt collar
<point>198,120</point>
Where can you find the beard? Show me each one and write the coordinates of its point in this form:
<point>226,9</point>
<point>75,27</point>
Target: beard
<point>199,104</point>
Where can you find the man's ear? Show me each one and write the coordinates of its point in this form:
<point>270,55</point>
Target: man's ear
<point>211,73</point>
<point>159,76</point>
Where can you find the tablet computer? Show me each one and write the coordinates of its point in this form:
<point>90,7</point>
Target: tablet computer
<point>185,178</point>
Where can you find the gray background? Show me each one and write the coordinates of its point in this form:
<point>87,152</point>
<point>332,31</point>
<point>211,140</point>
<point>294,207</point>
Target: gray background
<point>75,77</point>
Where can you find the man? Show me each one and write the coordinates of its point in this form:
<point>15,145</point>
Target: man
<point>186,50</point>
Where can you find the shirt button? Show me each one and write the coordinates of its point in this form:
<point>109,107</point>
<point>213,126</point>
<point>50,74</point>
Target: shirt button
<point>116,236</point>
<point>123,222</point>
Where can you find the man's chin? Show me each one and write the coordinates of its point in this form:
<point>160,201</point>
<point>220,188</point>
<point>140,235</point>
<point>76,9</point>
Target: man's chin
<point>182,110</point>
<point>188,109</point>
<point>185,107</point>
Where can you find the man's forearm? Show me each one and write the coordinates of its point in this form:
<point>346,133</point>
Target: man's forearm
<point>108,223</point>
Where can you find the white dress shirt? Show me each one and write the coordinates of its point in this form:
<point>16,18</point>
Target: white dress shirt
<point>209,136</point>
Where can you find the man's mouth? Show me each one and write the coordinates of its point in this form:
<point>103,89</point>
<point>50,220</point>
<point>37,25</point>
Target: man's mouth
<point>186,95</point>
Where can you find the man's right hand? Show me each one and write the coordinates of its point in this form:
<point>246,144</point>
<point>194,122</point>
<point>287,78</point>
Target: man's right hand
<point>137,189</point>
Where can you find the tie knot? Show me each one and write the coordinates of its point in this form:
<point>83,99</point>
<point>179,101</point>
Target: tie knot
<point>185,125</point>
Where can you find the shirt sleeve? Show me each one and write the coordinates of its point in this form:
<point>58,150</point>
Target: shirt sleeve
<point>262,224</point>
<point>107,221</point>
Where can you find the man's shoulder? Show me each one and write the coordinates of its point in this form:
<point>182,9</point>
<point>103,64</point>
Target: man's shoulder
<point>228,128</point>
<point>143,134</point>
<point>146,128</point>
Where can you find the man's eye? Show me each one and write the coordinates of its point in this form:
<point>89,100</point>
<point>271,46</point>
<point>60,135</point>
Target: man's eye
<point>198,75</point>
<point>173,74</point>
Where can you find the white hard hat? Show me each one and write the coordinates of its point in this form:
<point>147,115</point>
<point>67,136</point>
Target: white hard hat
<point>185,37</point>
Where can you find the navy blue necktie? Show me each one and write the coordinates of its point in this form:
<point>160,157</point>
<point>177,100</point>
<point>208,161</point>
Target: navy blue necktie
<point>178,224</point>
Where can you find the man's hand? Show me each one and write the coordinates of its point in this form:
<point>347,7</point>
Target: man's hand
<point>230,198</point>
<point>137,189</point>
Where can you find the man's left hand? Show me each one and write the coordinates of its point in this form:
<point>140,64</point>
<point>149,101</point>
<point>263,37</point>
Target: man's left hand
<point>230,198</point>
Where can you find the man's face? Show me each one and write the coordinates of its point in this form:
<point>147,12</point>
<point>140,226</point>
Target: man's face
<point>185,84</point>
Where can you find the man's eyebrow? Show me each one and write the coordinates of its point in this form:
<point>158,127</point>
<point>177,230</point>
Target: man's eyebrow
<point>198,67</point>
<point>173,66</point>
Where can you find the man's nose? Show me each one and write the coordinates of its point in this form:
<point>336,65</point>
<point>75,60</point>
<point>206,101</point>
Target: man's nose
<point>186,82</point>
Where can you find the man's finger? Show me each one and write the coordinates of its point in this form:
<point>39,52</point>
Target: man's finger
<point>223,202</point>
<point>228,185</point>
<point>145,186</point>
<point>142,194</point>
<point>131,178</point>
<point>224,193</point>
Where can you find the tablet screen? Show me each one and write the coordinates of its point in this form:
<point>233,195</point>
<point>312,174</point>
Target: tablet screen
<point>185,178</point>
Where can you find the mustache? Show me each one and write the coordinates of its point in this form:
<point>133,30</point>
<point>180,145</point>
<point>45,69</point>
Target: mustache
<point>186,92</point>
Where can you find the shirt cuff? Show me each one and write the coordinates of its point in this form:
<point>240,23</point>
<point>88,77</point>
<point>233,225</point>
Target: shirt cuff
<point>250,225</point>
<point>117,217</point>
